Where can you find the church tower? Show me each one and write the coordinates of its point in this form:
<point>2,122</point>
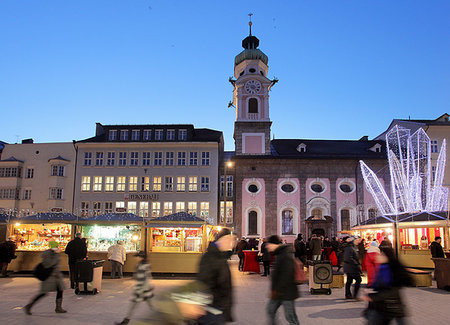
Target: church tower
<point>251,99</point>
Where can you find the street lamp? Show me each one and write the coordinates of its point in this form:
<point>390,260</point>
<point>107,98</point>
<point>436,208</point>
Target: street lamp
<point>228,164</point>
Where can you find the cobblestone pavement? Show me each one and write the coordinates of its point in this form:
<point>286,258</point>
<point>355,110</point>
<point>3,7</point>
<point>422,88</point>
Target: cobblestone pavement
<point>426,305</point>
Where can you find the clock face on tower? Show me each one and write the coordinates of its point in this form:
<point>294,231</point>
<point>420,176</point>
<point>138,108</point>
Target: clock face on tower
<point>253,86</point>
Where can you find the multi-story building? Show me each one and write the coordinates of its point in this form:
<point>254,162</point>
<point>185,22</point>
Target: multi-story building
<point>149,170</point>
<point>36,177</point>
<point>290,186</point>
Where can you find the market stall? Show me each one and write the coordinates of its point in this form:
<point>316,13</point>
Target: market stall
<point>177,241</point>
<point>376,228</point>
<point>33,233</point>
<point>105,230</point>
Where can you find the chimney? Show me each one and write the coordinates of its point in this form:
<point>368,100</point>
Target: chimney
<point>25,141</point>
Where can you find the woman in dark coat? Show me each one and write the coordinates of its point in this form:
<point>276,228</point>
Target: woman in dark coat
<point>265,258</point>
<point>386,304</point>
<point>55,282</point>
<point>300,249</point>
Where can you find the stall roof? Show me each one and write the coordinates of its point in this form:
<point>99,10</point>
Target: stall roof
<point>118,217</point>
<point>4,218</point>
<point>378,220</point>
<point>46,216</point>
<point>425,216</point>
<point>180,219</point>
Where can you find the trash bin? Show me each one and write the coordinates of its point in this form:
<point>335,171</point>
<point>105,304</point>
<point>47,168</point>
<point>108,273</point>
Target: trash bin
<point>320,277</point>
<point>442,273</point>
<point>89,276</point>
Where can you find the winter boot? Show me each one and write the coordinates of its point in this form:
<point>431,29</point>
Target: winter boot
<point>58,308</point>
<point>124,322</point>
<point>27,309</point>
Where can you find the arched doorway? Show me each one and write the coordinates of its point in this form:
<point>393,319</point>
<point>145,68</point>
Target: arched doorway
<point>318,231</point>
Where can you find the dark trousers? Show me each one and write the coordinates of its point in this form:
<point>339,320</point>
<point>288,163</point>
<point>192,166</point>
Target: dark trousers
<point>59,295</point>
<point>4,268</point>
<point>73,275</point>
<point>241,263</point>
<point>266,267</point>
<point>289,311</point>
<point>348,284</point>
<point>116,267</point>
<point>374,317</point>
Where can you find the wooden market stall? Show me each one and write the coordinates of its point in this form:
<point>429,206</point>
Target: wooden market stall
<point>176,242</point>
<point>105,230</point>
<point>33,233</point>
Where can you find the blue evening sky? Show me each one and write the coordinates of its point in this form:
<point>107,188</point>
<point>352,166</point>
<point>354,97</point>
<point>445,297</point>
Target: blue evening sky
<point>346,68</point>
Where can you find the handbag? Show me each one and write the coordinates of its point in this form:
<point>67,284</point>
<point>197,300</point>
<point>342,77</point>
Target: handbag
<point>41,272</point>
<point>299,273</point>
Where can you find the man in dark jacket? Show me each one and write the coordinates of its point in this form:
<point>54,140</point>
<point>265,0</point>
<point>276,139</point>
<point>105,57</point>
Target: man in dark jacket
<point>76,250</point>
<point>300,249</point>
<point>436,249</point>
<point>283,290</point>
<point>7,253</point>
<point>215,273</point>
<point>316,246</point>
<point>352,268</point>
<point>240,247</point>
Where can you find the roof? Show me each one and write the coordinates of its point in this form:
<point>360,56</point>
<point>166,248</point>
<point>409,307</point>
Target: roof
<point>47,216</point>
<point>353,149</point>
<point>193,134</point>
<point>59,158</point>
<point>115,217</point>
<point>180,219</point>
<point>12,159</point>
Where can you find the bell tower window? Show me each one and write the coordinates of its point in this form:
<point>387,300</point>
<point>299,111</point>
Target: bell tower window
<point>253,106</point>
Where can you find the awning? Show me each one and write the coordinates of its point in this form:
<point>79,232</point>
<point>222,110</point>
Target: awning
<point>46,217</point>
<point>115,217</point>
<point>180,219</point>
<point>4,218</point>
<point>425,216</point>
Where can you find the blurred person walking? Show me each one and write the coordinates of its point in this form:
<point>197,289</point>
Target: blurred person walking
<point>352,268</point>
<point>265,257</point>
<point>300,248</point>
<point>117,255</point>
<point>386,303</point>
<point>76,250</point>
<point>143,290</point>
<point>240,247</point>
<point>370,262</point>
<point>215,274</point>
<point>54,282</point>
<point>283,287</point>
<point>7,253</point>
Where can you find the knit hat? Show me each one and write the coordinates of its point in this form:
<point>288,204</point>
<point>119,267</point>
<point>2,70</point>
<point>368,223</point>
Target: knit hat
<point>53,244</point>
<point>374,244</point>
<point>274,239</point>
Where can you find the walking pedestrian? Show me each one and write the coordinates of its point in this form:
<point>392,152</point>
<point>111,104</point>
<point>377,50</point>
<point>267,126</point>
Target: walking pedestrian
<point>361,250</point>
<point>300,248</point>
<point>54,282</point>
<point>117,256</point>
<point>76,250</point>
<point>215,273</point>
<point>265,257</point>
<point>386,304</point>
<point>7,253</point>
<point>352,268</point>
<point>436,248</point>
<point>143,290</point>
<point>283,287</point>
<point>370,262</point>
<point>342,245</point>
<point>316,246</point>
<point>240,247</point>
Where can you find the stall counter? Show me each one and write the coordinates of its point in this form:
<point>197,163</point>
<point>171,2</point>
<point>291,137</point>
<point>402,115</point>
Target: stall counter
<point>171,262</point>
<point>27,261</point>
<point>416,258</point>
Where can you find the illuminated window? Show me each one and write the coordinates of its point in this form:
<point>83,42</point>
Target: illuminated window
<point>204,209</point>
<point>157,183</point>
<point>180,207</point>
<point>192,183</point>
<point>131,207</point>
<point>85,183</point>
<point>121,180</point>
<point>109,183</point>
<point>98,181</point>
<point>192,208</point>
<point>181,184</point>
<point>167,208</point>
<point>145,184</point>
<point>156,209</point>
<point>132,183</point>
<point>143,209</point>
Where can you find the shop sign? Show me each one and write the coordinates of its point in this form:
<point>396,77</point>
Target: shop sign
<point>141,197</point>
<point>121,210</point>
<point>56,210</point>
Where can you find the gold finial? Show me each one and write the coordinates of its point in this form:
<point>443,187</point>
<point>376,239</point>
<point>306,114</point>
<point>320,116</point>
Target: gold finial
<point>250,22</point>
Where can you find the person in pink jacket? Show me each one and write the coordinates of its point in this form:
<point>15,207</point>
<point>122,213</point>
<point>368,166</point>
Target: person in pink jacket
<point>370,262</point>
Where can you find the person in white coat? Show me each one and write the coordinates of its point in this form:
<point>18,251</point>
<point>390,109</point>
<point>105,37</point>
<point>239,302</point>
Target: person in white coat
<point>117,256</point>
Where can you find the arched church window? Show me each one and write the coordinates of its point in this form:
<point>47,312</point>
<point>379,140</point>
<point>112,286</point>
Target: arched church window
<point>317,213</point>
<point>253,105</point>
<point>252,223</point>
<point>287,222</point>
<point>345,219</point>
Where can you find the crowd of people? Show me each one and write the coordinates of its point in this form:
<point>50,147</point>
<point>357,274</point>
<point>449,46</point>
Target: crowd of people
<point>209,299</point>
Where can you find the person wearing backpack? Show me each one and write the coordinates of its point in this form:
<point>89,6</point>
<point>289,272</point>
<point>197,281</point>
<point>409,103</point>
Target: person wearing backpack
<point>54,281</point>
<point>283,287</point>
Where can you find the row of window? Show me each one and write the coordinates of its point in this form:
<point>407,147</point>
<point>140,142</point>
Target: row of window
<point>136,158</point>
<point>144,209</point>
<point>120,184</point>
<point>10,172</point>
<point>124,135</point>
<point>55,170</point>
<point>55,193</point>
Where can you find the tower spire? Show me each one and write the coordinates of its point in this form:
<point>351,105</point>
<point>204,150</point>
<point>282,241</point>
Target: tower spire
<point>250,23</point>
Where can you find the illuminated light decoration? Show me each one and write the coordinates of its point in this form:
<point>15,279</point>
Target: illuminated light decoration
<point>413,189</point>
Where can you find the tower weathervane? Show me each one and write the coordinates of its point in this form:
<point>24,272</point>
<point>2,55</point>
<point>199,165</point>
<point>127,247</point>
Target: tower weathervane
<point>250,22</point>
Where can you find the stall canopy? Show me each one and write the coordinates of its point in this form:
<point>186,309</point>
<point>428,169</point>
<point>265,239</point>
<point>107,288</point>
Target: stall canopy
<point>424,216</point>
<point>4,218</point>
<point>180,219</point>
<point>116,217</point>
<point>378,220</point>
<point>62,217</point>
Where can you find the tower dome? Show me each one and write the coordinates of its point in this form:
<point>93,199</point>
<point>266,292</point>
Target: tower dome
<point>251,51</point>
